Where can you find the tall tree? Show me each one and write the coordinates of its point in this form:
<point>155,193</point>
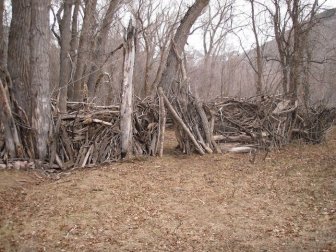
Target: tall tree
<point>168,80</point>
<point>2,37</point>
<point>84,42</point>
<point>259,64</point>
<point>73,46</point>
<point>126,106</point>
<point>65,64</point>
<point>215,27</point>
<point>39,78</point>
<point>19,53</point>
<point>100,47</point>
<point>292,21</point>
<point>163,37</point>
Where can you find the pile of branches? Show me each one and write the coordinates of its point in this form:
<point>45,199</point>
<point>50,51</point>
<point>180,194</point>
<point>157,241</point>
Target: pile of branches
<point>193,122</point>
<point>269,123</point>
<point>89,135</point>
<point>245,125</point>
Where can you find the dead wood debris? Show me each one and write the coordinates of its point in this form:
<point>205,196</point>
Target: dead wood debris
<point>270,123</point>
<point>89,135</point>
<point>246,125</point>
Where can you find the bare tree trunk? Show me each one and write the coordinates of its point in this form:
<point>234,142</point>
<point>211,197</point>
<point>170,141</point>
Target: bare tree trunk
<point>147,84</point>
<point>18,54</point>
<point>114,79</point>
<point>169,75</point>
<point>159,72</point>
<point>306,68</point>
<point>99,54</point>
<point>259,67</point>
<point>294,73</point>
<point>39,68</point>
<point>126,107</point>
<point>207,73</point>
<point>84,45</point>
<point>65,64</point>
<point>2,37</point>
<point>73,47</point>
<point>280,38</point>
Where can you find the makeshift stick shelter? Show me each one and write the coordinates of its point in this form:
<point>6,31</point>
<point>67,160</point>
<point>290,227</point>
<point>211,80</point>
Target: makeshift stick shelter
<point>90,135</point>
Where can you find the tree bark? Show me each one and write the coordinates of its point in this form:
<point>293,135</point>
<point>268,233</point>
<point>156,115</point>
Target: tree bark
<point>39,69</point>
<point>73,48</point>
<point>126,107</point>
<point>168,80</point>
<point>147,84</point>
<point>84,45</point>
<point>65,64</point>
<point>2,37</point>
<point>19,53</point>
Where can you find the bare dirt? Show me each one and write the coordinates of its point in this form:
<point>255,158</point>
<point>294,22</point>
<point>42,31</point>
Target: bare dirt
<point>178,203</point>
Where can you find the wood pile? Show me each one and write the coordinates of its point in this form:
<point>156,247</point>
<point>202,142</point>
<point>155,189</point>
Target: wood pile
<point>245,125</point>
<point>240,124</point>
<point>89,135</point>
<point>269,123</point>
<point>146,128</point>
<point>193,122</point>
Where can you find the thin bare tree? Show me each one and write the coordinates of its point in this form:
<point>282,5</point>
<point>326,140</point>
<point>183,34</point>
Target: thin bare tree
<point>73,47</point>
<point>216,24</point>
<point>291,22</point>
<point>259,57</point>
<point>65,61</point>
<point>156,23</point>
<point>99,54</point>
<point>83,49</point>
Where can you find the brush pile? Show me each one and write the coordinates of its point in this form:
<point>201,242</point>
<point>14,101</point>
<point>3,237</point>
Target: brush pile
<point>89,135</point>
<point>270,123</point>
<point>241,125</point>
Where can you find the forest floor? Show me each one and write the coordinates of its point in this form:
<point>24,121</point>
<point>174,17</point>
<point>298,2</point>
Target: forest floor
<point>177,203</point>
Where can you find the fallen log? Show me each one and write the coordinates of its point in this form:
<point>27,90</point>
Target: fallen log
<point>238,138</point>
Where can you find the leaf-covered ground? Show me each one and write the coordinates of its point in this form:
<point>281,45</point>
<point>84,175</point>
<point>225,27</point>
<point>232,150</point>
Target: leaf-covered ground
<point>177,203</point>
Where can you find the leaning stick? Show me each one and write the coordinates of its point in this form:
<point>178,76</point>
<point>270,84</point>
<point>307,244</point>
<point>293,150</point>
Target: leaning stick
<point>180,121</point>
<point>162,123</point>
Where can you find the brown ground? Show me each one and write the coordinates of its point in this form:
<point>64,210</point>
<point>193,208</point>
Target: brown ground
<point>178,203</point>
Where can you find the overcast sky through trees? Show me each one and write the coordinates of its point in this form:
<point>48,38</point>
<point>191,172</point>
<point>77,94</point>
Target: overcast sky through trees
<point>241,19</point>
